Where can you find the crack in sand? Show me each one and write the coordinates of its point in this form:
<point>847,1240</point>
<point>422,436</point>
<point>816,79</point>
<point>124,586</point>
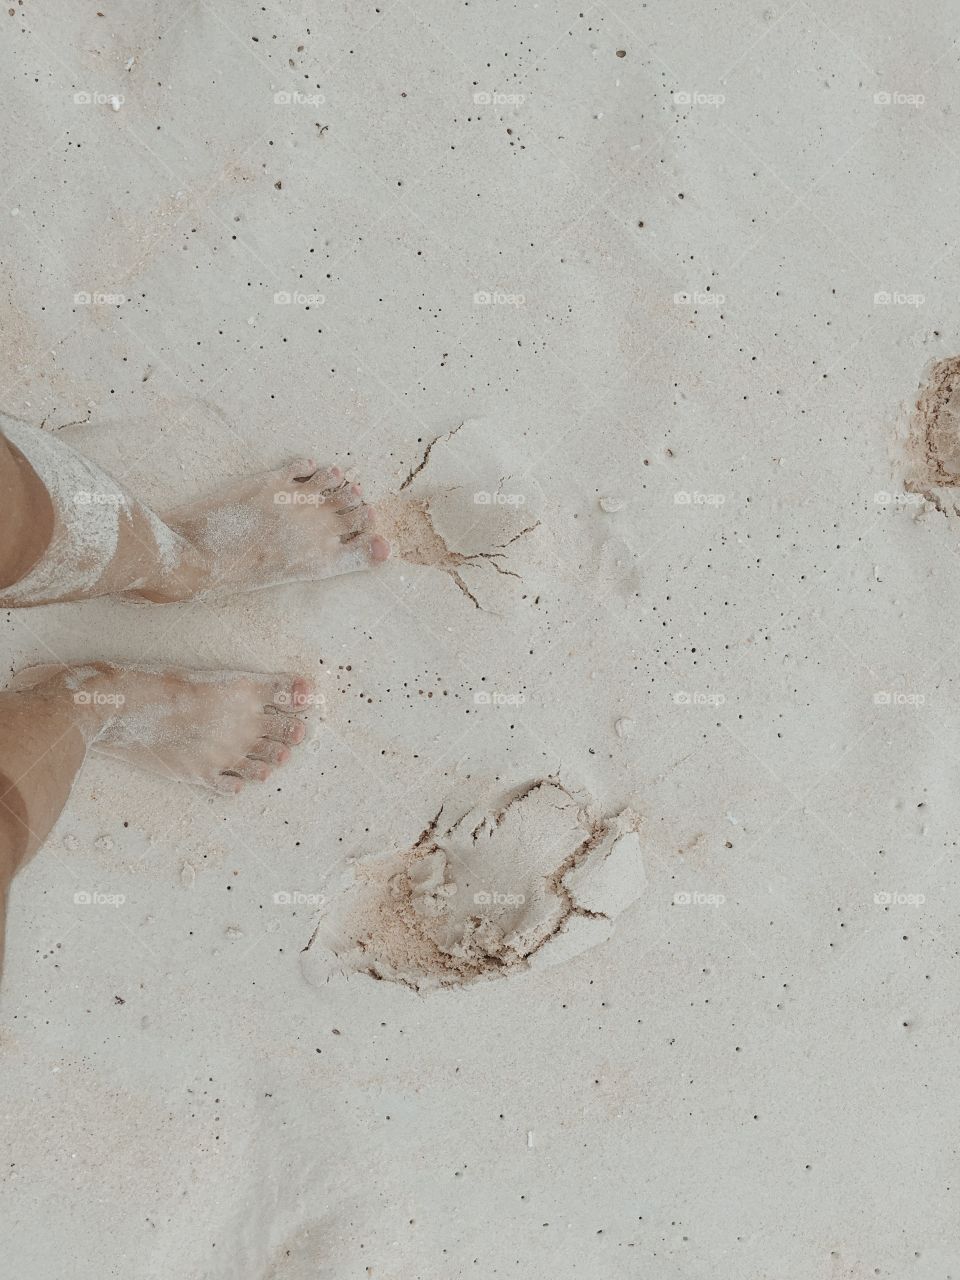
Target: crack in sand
<point>523,532</point>
<point>573,860</point>
<point>412,475</point>
<point>80,422</point>
<point>428,830</point>
<point>929,495</point>
<point>418,542</point>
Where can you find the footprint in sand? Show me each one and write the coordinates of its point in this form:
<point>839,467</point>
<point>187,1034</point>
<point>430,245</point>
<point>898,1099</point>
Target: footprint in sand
<point>532,883</point>
<point>933,440</point>
<point>463,509</point>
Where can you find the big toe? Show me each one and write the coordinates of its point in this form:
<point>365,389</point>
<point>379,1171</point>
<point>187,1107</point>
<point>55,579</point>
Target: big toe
<point>379,549</point>
<point>289,693</point>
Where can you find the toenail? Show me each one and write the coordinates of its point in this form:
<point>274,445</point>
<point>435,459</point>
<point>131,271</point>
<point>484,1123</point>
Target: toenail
<point>302,694</point>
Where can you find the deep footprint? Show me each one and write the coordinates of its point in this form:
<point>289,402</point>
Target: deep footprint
<point>532,883</point>
<point>934,435</point>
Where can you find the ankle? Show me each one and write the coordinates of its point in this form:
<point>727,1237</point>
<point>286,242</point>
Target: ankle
<point>169,586</point>
<point>80,698</point>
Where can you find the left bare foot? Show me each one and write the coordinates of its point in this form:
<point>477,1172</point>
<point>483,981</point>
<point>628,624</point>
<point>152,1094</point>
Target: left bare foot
<point>300,523</point>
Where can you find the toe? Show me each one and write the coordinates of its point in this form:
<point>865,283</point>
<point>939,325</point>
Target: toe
<point>303,694</point>
<point>357,519</point>
<point>248,770</point>
<point>228,786</point>
<point>291,694</point>
<point>280,728</point>
<point>326,480</point>
<point>379,549</point>
<point>357,553</point>
<point>348,503</point>
<point>268,751</point>
<point>302,469</point>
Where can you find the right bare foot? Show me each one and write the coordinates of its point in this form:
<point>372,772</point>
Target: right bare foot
<point>297,524</point>
<point>216,729</point>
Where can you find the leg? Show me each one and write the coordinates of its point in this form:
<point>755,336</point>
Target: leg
<point>60,539</point>
<point>69,532</point>
<point>26,516</point>
<point>215,729</point>
<point>41,750</point>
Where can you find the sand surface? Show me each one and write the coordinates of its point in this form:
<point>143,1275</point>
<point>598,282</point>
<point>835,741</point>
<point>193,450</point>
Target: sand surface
<point>621,312</point>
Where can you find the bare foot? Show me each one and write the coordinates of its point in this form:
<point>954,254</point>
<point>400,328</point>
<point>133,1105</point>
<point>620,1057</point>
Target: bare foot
<point>215,729</point>
<point>297,524</point>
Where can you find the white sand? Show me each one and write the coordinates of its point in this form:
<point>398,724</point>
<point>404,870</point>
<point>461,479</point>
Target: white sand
<point>732,619</point>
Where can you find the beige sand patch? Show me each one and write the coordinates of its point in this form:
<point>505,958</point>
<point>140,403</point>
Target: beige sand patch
<point>533,882</point>
<point>933,442</point>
